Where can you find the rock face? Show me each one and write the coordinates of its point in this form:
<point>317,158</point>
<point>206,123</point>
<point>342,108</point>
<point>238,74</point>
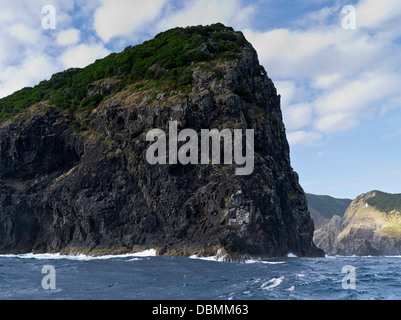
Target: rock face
<point>64,188</point>
<point>365,230</point>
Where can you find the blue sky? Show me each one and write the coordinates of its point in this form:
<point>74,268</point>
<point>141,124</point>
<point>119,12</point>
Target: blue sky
<point>340,88</point>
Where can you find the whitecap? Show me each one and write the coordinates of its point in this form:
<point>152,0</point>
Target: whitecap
<point>250,261</point>
<point>271,284</point>
<point>212,258</point>
<point>146,253</point>
<point>79,257</point>
<point>219,257</point>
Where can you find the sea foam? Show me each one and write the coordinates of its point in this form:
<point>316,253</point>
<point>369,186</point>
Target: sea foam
<point>271,284</point>
<point>79,257</point>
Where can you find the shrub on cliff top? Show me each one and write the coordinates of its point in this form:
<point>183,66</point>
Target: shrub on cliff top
<point>174,50</point>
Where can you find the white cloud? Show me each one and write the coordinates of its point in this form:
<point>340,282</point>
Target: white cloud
<point>287,91</point>
<point>326,81</point>
<point>33,69</point>
<point>345,106</point>
<point>336,122</point>
<point>204,12</point>
<point>373,13</point>
<point>68,37</point>
<point>297,116</point>
<point>28,52</point>
<point>124,17</point>
<point>130,18</point>
<point>24,34</point>
<point>348,74</point>
<point>319,18</point>
<point>304,138</point>
<point>83,55</point>
<point>292,53</point>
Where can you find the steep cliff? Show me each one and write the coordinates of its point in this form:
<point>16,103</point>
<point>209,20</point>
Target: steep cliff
<point>371,227</point>
<point>73,171</point>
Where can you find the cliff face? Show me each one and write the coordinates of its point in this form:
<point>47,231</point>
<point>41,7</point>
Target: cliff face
<point>370,227</point>
<point>80,182</point>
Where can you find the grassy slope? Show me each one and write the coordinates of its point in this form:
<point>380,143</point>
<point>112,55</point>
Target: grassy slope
<point>383,214</point>
<point>390,223</point>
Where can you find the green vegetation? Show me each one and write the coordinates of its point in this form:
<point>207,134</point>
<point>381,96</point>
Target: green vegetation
<point>244,92</point>
<point>392,230</point>
<point>248,119</point>
<point>327,206</point>
<point>207,67</point>
<point>166,61</point>
<point>371,217</point>
<point>385,202</point>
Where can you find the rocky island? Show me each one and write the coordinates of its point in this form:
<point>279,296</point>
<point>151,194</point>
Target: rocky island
<point>73,171</point>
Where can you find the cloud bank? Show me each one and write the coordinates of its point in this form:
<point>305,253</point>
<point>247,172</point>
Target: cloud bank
<point>348,75</point>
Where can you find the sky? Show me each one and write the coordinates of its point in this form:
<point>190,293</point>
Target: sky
<point>336,65</point>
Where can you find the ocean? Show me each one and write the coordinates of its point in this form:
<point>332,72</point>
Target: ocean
<point>145,276</point>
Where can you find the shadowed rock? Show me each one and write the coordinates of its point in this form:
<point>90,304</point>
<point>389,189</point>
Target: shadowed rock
<point>80,183</point>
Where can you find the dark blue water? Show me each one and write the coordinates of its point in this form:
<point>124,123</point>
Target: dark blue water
<point>172,278</point>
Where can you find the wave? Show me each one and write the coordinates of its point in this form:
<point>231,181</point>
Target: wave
<point>219,258</point>
<point>79,257</point>
<point>359,257</point>
<point>212,258</point>
<point>264,261</point>
<point>271,284</point>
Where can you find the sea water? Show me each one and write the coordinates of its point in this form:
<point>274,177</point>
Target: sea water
<point>148,277</point>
